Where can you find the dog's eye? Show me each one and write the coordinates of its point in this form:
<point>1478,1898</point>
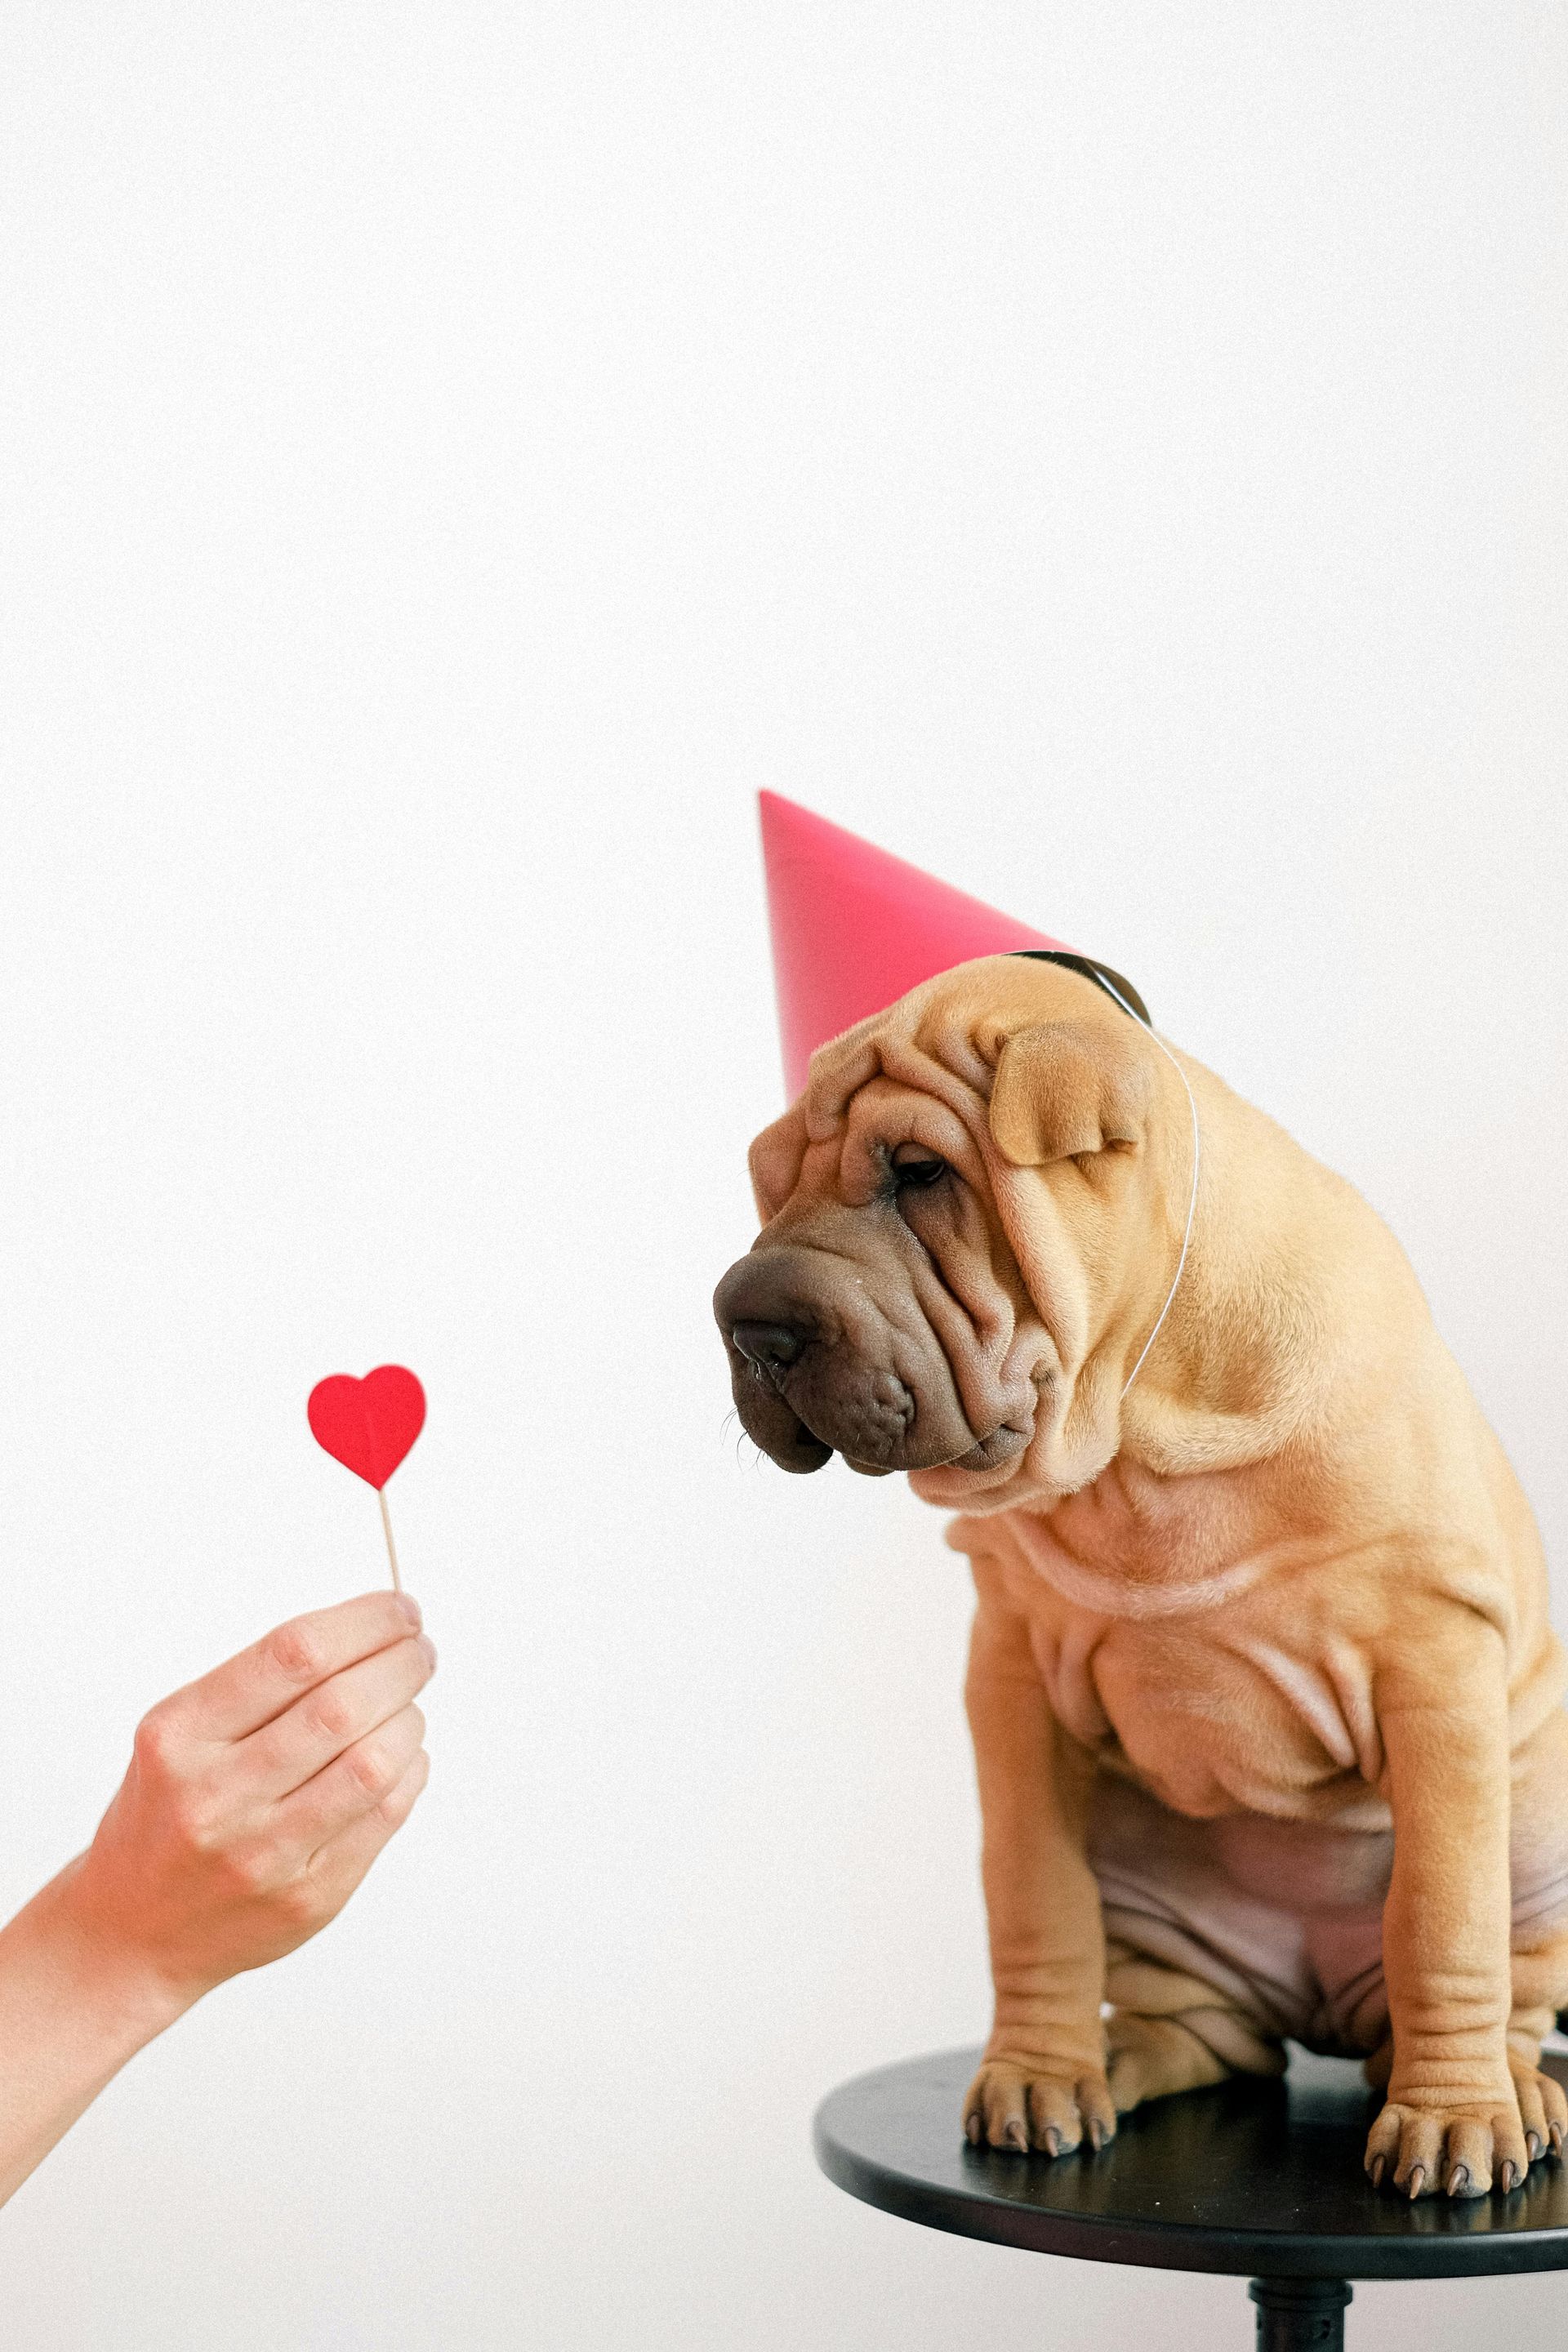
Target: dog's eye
<point>914,1169</point>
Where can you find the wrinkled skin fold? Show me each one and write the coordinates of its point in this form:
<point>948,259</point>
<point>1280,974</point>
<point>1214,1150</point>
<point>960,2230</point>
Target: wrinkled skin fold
<point>1266,1709</point>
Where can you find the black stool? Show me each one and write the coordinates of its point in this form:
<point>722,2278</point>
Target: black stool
<point>1259,2178</point>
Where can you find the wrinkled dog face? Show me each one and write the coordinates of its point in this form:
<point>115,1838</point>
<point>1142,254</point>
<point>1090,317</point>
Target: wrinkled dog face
<point>948,1214</point>
<point>874,1317</point>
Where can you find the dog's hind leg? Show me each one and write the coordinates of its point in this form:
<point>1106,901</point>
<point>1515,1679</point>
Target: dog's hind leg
<point>1204,1978</point>
<point>1170,2032</point>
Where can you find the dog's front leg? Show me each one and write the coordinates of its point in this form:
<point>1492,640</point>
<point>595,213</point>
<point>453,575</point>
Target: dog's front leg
<point>1452,2118</point>
<point>1043,2083</point>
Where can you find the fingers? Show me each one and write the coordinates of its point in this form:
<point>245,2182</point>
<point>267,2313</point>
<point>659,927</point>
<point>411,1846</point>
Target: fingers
<point>364,1777</point>
<point>342,1861</point>
<point>265,1680</point>
<point>331,1720</point>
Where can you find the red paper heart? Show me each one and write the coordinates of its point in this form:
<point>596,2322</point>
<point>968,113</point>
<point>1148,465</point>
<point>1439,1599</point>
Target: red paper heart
<point>368,1425</point>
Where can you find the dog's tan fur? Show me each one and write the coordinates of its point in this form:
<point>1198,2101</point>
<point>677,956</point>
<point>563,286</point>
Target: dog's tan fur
<point>1266,1710</point>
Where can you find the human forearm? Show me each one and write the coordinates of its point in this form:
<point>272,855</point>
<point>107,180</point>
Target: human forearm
<point>72,2011</point>
<point>256,1800</point>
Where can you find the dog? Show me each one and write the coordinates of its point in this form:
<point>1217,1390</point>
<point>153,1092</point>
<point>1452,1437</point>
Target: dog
<point>1266,1709</point>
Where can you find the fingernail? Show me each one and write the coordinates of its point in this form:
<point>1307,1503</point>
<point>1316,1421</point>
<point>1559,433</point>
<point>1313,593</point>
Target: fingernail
<point>1377,2168</point>
<point>410,1608</point>
<point>1532,2145</point>
<point>1458,2179</point>
<point>1415,2182</point>
<point>428,1646</point>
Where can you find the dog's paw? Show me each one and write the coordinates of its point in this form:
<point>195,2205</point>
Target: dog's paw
<point>1031,2102</point>
<point>1457,2151</point>
<point>1542,2109</point>
<point>1153,2056</point>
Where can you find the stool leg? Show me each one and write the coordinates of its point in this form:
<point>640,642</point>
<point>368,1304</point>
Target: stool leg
<point>1293,2314</point>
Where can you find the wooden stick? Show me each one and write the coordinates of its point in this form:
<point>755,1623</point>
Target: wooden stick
<point>391,1547</point>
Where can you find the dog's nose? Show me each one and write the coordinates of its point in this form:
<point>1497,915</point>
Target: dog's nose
<point>771,1345</point>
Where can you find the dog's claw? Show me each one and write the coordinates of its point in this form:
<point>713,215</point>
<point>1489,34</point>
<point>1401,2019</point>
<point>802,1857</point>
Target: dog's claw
<point>1416,2181</point>
<point>1458,2179</point>
<point>1096,2133</point>
<point>1376,2170</point>
<point>1053,2141</point>
<point>1532,2147</point>
<point>1016,2137</point>
<point>1507,2176</point>
<point>1557,2136</point>
<point>972,2130</point>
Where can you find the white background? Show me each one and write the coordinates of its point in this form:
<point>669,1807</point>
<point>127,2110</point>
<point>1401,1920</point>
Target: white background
<point>1113,456</point>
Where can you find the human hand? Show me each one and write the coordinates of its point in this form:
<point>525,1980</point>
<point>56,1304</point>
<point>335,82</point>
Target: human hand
<point>256,1800</point>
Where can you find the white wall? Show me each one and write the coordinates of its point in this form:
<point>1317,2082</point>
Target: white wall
<point>1113,456</point>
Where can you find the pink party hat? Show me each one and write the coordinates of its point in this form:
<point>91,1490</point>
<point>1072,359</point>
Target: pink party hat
<point>854,928</point>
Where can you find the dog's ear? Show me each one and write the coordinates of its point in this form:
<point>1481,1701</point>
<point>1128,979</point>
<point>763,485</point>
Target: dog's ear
<point>1067,1089</point>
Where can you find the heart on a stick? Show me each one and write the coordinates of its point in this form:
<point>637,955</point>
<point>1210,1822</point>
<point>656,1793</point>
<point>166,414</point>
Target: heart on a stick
<point>367,1425</point>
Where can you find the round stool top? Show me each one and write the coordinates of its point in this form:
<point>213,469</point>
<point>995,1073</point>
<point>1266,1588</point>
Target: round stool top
<point>1260,2177</point>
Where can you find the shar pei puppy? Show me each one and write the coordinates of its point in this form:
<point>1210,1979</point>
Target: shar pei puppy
<point>1267,1713</point>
